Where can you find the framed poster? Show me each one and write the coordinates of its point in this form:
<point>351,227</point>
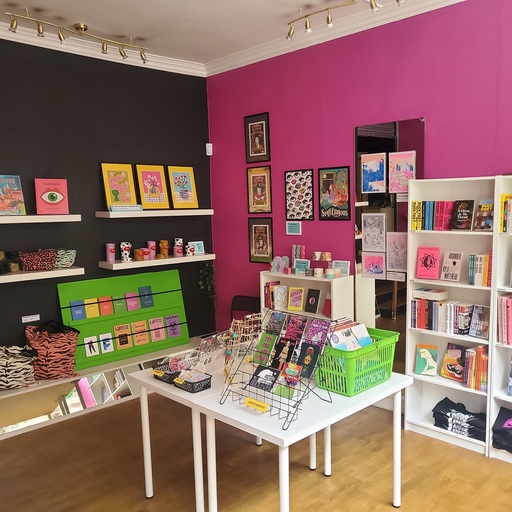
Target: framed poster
<point>373,232</point>
<point>260,240</point>
<point>119,185</point>
<point>152,186</point>
<point>257,139</point>
<point>183,187</point>
<point>293,228</point>
<point>373,173</point>
<point>396,252</point>
<point>259,189</point>
<point>299,195</point>
<point>334,192</point>
<point>402,168</point>
<point>374,265</point>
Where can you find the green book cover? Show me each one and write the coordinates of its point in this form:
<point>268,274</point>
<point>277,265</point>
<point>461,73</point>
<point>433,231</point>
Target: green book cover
<point>426,359</point>
<point>119,302</point>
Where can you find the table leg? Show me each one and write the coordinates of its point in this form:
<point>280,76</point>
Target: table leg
<point>259,441</point>
<point>312,451</point>
<point>198,460</point>
<point>397,448</point>
<point>284,479</point>
<point>327,451</point>
<point>212,464</point>
<point>146,442</point>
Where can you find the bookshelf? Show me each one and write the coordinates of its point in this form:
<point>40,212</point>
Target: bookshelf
<point>427,391</point>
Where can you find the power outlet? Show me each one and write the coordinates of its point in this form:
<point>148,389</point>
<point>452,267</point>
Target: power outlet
<point>30,318</point>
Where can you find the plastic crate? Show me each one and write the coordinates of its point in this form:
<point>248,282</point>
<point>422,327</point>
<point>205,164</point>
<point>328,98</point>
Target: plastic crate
<point>349,372</point>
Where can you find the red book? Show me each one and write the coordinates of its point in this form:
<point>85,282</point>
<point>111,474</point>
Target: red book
<point>106,307</point>
<point>51,196</point>
<point>427,263</point>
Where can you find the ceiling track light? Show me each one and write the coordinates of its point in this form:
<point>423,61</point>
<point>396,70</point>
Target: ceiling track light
<point>374,6</point>
<point>79,29</point>
<point>307,26</point>
<point>328,21</point>
<point>291,31</point>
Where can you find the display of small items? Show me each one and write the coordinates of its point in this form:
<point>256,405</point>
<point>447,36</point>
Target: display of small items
<point>9,262</point>
<point>150,252</point>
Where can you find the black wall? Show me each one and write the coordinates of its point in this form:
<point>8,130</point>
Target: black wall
<point>61,116</point>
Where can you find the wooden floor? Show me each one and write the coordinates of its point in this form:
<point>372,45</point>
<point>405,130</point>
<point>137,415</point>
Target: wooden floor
<point>93,463</point>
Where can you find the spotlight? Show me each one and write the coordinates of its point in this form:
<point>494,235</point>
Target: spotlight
<point>40,29</point>
<point>122,52</point>
<point>60,33</point>
<point>104,47</point>
<point>307,25</point>
<point>328,22</point>
<point>374,6</point>
<point>400,2</point>
<point>143,56</point>
<point>14,25</point>
<point>291,31</point>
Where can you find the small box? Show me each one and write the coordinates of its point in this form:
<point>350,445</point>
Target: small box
<point>164,373</point>
<point>194,387</point>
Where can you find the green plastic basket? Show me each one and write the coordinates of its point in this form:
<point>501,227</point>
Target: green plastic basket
<point>349,372</point>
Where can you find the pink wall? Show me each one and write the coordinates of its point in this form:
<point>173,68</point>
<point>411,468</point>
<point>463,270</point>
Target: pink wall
<point>451,66</point>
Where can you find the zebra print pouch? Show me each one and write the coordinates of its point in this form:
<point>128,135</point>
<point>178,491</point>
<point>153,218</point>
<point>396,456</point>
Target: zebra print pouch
<point>16,368</point>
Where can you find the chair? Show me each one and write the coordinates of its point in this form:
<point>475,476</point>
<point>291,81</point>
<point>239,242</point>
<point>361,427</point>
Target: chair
<point>244,305</point>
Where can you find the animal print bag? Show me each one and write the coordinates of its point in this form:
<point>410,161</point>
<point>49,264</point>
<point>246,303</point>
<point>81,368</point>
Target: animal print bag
<point>16,368</point>
<point>55,344</point>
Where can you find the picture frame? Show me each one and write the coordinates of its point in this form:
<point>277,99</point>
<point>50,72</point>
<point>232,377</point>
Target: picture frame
<point>295,298</point>
<point>257,138</point>
<point>373,227</point>
<point>152,186</point>
<point>183,187</point>
<point>293,227</point>
<point>396,251</point>
<point>299,195</point>
<point>259,189</point>
<point>198,247</point>
<point>301,265</point>
<point>343,265</point>
<point>119,184</point>
<point>334,193</point>
<point>260,240</point>
<point>374,265</point>
<point>373,173</point>
<point>402,168</point>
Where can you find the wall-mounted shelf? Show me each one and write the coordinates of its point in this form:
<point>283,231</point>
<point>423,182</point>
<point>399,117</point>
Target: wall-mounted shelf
<point>24,275</point>
<point>153,213</point>
<point>33,219</point>
<point>121,265</point>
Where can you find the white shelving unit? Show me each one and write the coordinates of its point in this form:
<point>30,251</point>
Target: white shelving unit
<point>341,290</point>
<point>427,391</point>
<point>153,213</point>
<point>35,219</point>
<point>124,265</point>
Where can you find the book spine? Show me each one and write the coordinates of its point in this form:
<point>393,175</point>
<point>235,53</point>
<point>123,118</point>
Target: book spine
<point>509,321</point>
<point>422,214</point>
<point>489,270</point>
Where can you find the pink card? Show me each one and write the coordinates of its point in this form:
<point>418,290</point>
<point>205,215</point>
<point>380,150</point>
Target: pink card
<point>51,196</point>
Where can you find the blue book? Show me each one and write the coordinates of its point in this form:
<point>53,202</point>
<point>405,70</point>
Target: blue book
<point>146,297</point>
<point>78,310</point>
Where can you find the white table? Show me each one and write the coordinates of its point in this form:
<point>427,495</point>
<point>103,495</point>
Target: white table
<point>316,415</point>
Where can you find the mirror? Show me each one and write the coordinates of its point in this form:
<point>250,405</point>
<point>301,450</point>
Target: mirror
<point>390,296</point>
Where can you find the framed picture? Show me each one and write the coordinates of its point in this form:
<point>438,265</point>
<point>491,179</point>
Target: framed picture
<point>373,173</point>
<point>152,186</point>
<point>374,265</point>
<point>259,190</point>
<point>396,251</point>
<point>257,139</point>
<point>260,240</point>
<point>334,192</point>
<point>183,187</point>
<point>198,247</point>
<point>373,232</point>
<point>301,265</point>
<point>343,265</point>
<point>402,168</point>
<point>119,184</point>
<point>293,228</point>
<point>299,195</point>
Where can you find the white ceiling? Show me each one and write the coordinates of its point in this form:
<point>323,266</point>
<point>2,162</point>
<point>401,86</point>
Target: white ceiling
<point>200,37</point>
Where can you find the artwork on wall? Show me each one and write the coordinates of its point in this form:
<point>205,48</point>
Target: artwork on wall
<point>396,252</point>
<point>293,227</point>
<point>183,187</point>
<point>373,173</point>
<point>260,240</point>
<point>374,232</point>
<point>299,194</point>
<point>119,184</point>
<point>257,139</point>
<point>374,265</point>
<point>334,191</point>
<point>402,168</point>
<point>51,196</point>
<point>152,186</point>
<point>259,189</point>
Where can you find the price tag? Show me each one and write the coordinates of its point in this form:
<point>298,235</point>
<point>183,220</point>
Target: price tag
<point>257,405</point>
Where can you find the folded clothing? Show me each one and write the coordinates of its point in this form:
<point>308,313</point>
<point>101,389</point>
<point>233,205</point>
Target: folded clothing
<point>456,418</point>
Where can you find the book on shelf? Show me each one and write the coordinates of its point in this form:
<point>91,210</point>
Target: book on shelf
<point>295,328</point>
<point>11,195</point>
<point>426,359</point>
<point>275,322</point>
<point>463,214</point>
<point>452,366</point>
<point>504,309</point>
<point>264,348</point>
<point>484,215</point>
<point>475,368</point>
<point>295,298</point>
<point>51,196</point>
<point>480,319</point>
<point>430,293</point>
<point>280,296</point>
<point>480,269</point>
<point>427,263</point>
<point>452,265</point>
<point>264,378</point>
<point>317,331</point>
<point>266,291</point>
<point>312,301</point>
<point>431,215</point>
<point>505,210</point>
<point>327,307</point>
